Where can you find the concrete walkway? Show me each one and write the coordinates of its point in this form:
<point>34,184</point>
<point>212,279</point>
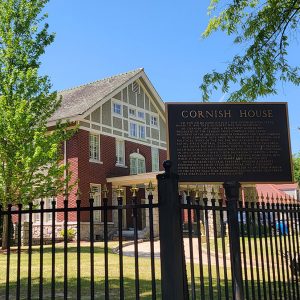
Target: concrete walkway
<point>144,251</point>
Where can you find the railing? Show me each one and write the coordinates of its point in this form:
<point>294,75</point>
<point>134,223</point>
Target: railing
<point>209,248</point>
<point>269,235</point>
<point>75,270</point>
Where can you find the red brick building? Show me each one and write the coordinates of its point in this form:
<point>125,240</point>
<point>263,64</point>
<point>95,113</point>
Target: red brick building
<point>122,131</point>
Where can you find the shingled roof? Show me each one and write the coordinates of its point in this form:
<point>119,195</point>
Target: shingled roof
<point>76,101</point>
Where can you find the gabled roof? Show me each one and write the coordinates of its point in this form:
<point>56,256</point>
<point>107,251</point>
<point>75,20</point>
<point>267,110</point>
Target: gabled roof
<point>78,100</point>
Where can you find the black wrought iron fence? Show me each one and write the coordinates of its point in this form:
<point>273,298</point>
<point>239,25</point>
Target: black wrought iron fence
<point>209,248</point>
<point>40,263</point>
<point>269,248</point>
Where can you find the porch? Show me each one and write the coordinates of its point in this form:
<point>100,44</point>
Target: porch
<point>121,186</point>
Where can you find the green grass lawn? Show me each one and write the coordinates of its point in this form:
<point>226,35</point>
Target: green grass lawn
<point>129,273</point>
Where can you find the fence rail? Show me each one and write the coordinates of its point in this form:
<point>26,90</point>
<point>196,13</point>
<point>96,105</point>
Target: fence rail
<point>208,248</point>
<point>269,240</point>
<point>28,266</point>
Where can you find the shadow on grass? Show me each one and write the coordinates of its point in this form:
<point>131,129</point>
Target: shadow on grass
<point>211,292</point>
<point>129,289</point>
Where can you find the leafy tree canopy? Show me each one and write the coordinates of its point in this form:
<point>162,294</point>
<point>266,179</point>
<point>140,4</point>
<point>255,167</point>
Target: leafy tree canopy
<point>296,161</point>
<point>30,154</point>
<point>264,29</point>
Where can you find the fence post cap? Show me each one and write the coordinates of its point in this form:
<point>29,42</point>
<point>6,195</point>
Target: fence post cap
<point>232,189</point>
<point>167,164</point>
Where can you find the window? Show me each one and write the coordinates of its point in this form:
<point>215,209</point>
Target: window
<point>154,121</point>
<point>36,217</point>
<point>133,129</point>
<point>142,132</point>
<point>48,205</point>
<point>47,215</point>
<point>117,108</point>
<point>141,115</point>
<point>137,164</point>
<point>96,189</point>
<point>94,147</point>
<point>132,112</point>
<point>155,159</point>
<point>120,153</point>
<point>137,130</point>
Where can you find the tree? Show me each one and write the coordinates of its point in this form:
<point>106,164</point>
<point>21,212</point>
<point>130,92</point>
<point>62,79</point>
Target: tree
<point>296,163</point>
<point>30,153</point>
<point>264,30</point>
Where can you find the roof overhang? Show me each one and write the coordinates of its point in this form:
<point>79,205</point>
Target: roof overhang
<point>143,178</point>
<point>82,115</point>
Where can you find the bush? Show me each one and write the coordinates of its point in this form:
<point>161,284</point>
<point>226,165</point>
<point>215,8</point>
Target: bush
<point>71,233</point>
<point>253,227</point>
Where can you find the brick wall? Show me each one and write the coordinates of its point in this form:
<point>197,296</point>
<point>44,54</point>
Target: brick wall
<point>87,172</point>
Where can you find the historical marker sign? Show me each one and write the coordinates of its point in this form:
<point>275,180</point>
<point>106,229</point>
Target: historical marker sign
<point>217,142</point>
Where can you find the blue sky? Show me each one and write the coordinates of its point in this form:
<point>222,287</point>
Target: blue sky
<point>96,39</point>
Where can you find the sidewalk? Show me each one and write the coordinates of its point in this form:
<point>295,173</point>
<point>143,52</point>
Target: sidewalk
<point>144,251</point>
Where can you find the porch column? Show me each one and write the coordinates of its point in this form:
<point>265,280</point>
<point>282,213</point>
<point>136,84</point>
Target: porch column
<point>210,196</point>
<point>155,211</point>
<point>115,202</point>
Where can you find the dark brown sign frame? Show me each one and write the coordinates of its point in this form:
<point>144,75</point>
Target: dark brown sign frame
<point>221,142</point>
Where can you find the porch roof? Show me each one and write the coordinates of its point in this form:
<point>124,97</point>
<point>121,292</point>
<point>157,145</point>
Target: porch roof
<point>142,178</point>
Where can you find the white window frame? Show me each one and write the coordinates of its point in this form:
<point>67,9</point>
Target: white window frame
<point>117,112</point>
<point>141,117</point>
<point>142,136</point>
<point>48,205</point>
<point>137,164</point>
<point>47,215</point>
<point>120,152</point>
<point>94,148</point>
<point>97,201</point>
<point>133,110</point>
<point>152,122</point>
<point>135,133</point>
<point>155,159</point>
<point>139,132</point>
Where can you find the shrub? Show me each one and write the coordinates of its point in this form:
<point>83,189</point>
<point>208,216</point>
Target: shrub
<point>71,233</point>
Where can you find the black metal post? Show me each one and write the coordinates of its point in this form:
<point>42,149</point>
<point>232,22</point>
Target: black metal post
<point>173,271</point>
<point>232,195</point>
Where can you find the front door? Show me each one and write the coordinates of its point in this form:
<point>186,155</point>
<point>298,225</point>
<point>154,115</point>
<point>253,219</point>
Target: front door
<point>129,212</point>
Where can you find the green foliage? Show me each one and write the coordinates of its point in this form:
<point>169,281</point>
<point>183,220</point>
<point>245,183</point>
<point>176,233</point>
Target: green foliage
<point>30,154</point>
<point>71,233</point>
<point>264,30</point>
<point>296,163</point>
<point>254,230</point>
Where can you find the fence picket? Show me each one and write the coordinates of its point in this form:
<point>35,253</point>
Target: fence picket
<point>265,248</point>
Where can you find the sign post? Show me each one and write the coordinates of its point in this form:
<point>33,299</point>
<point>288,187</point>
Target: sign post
<point>232,196</point>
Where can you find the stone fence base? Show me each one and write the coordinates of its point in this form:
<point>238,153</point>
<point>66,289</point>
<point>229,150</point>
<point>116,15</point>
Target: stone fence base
<point>59,234</point>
